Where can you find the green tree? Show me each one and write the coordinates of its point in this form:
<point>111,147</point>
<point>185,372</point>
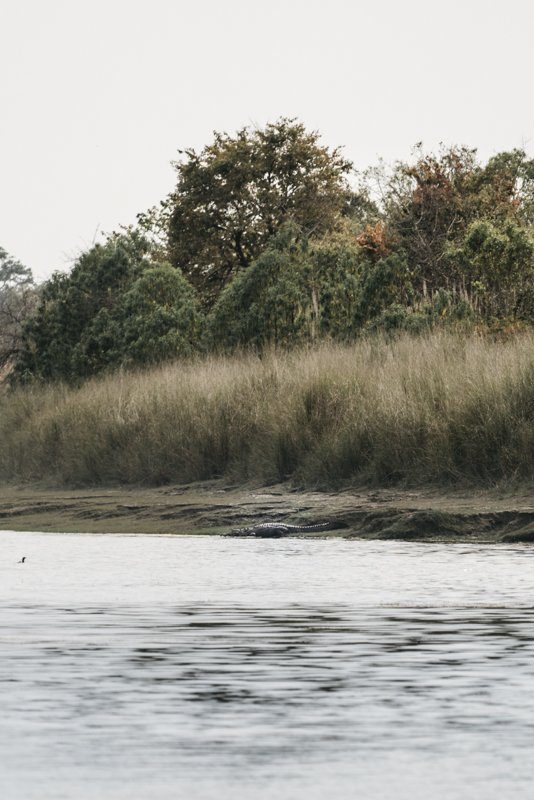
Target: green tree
<point>235,194</point>
<point>116,307</point>
<point>267,303</point>
<point>335,275</point>
<point>383,283</point>
<point>70,302</point>
<point>157,319</point>
<point>298,290</point>
<point>428,205</point>
<point>495,261</point>
<point>18,297</point>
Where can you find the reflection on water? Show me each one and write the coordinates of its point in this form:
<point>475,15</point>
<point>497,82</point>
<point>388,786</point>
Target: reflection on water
<point>158,667</point>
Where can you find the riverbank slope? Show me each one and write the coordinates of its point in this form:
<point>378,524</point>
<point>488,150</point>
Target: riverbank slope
<point>211,508</point>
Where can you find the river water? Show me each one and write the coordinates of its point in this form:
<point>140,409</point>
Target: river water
<point>158,667</point>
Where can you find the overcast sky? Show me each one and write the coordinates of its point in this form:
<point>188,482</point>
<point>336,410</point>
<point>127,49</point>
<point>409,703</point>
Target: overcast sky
<point>97,97</point>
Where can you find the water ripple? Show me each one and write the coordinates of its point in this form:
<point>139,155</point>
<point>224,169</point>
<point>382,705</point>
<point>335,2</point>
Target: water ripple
<point>236,672</point>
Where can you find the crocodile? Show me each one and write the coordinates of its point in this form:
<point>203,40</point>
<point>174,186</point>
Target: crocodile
<point>274,530</point>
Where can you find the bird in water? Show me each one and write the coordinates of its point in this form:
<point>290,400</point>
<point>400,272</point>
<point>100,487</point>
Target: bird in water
<point>22,560</point>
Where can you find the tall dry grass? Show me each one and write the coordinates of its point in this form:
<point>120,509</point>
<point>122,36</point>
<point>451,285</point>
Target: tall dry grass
<point>426,410</point>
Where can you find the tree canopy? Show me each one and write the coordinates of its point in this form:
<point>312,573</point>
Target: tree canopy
<point>17,302</point>
<point>264,242</point>
<point>297,290</point>
<point>428,205</point>
<point>116,307</point>
<point>237,192</point>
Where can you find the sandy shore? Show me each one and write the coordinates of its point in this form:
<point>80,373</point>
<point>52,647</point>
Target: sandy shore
<point>211,508</point>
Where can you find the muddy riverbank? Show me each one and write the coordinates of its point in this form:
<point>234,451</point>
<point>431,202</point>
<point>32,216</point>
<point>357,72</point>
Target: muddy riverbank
<point>212,508</point>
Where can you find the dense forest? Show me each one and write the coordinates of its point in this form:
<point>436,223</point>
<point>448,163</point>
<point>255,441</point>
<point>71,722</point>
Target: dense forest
<point>270,238</point>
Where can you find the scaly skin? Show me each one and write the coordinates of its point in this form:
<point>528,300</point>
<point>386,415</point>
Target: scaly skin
<point>274,530</point>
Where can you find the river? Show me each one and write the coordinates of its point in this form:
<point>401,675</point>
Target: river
<point>137,667</point>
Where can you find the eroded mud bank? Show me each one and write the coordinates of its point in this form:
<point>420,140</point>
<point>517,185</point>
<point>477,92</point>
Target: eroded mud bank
<point>214,509</point>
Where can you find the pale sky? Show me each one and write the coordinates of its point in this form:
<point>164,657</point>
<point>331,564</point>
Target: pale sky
<point>97,97</point>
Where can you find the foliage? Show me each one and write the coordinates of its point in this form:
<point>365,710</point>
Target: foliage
<point>235,194</point>
<point>114,308</point>
<point>296,291</point>
<point>70,302</point>
<point>382,283</point>
<point>495,264</point>
<point>335,279</point>
<point>157,319</point>
<point>12,272</point>
<point>267,303</point>
<point>17,302</point>
<point>429,205</point>
<point>264,233</point>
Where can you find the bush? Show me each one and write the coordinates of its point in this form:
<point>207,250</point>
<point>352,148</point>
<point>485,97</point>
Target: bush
<point>116,307</point>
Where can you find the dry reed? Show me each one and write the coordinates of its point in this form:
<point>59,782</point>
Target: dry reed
<point>440,409</point>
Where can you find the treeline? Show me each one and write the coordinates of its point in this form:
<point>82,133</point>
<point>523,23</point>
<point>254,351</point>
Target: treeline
<point>269,238</point>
